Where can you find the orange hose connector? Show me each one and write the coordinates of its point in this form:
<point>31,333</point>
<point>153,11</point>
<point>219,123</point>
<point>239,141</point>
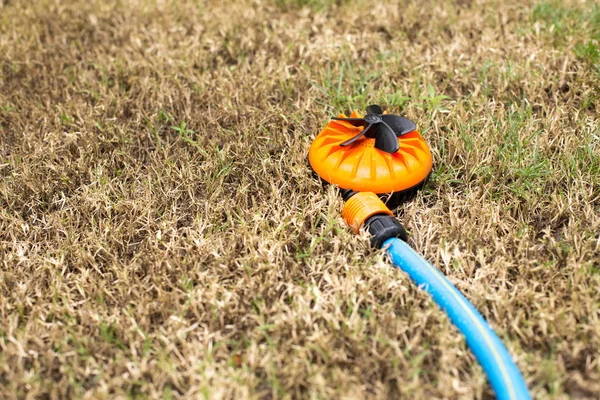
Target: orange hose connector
<point>360,207</point>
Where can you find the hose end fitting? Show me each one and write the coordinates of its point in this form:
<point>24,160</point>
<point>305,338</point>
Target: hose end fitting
<point>366,209</point>
<point>383,227</point>
<point>360,206</point>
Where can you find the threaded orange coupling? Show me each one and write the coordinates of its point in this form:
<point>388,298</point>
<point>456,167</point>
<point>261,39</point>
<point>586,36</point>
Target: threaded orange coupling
<point>360,207</point>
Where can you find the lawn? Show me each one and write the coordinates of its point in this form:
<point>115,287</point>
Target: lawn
<point>162,236</point>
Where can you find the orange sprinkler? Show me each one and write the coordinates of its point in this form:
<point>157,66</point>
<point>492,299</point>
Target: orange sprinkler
<point>372,157</point>
<point>379,152</point>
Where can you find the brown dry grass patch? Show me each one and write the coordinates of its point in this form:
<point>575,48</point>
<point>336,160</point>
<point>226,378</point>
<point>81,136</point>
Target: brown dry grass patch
<point>161,235</point>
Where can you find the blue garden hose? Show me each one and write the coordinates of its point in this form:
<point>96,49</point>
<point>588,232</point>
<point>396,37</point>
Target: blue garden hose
<point>502,373</point>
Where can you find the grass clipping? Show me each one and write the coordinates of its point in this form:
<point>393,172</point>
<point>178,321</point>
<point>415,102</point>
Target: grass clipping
<point>161,235</point>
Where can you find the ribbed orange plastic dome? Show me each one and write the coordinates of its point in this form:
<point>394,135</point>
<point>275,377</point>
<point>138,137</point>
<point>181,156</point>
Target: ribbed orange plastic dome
<point>363,168</point>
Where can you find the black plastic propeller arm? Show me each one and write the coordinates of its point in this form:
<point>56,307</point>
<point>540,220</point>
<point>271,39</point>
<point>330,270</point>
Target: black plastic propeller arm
<point>385,128</point>
<point>374,109</point>
<point>355,138</point>
<point>352,121</point>
<point>388,141</point>
<point>400,125</point>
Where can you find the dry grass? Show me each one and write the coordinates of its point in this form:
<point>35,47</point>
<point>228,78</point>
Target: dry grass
<point>161,234</point>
